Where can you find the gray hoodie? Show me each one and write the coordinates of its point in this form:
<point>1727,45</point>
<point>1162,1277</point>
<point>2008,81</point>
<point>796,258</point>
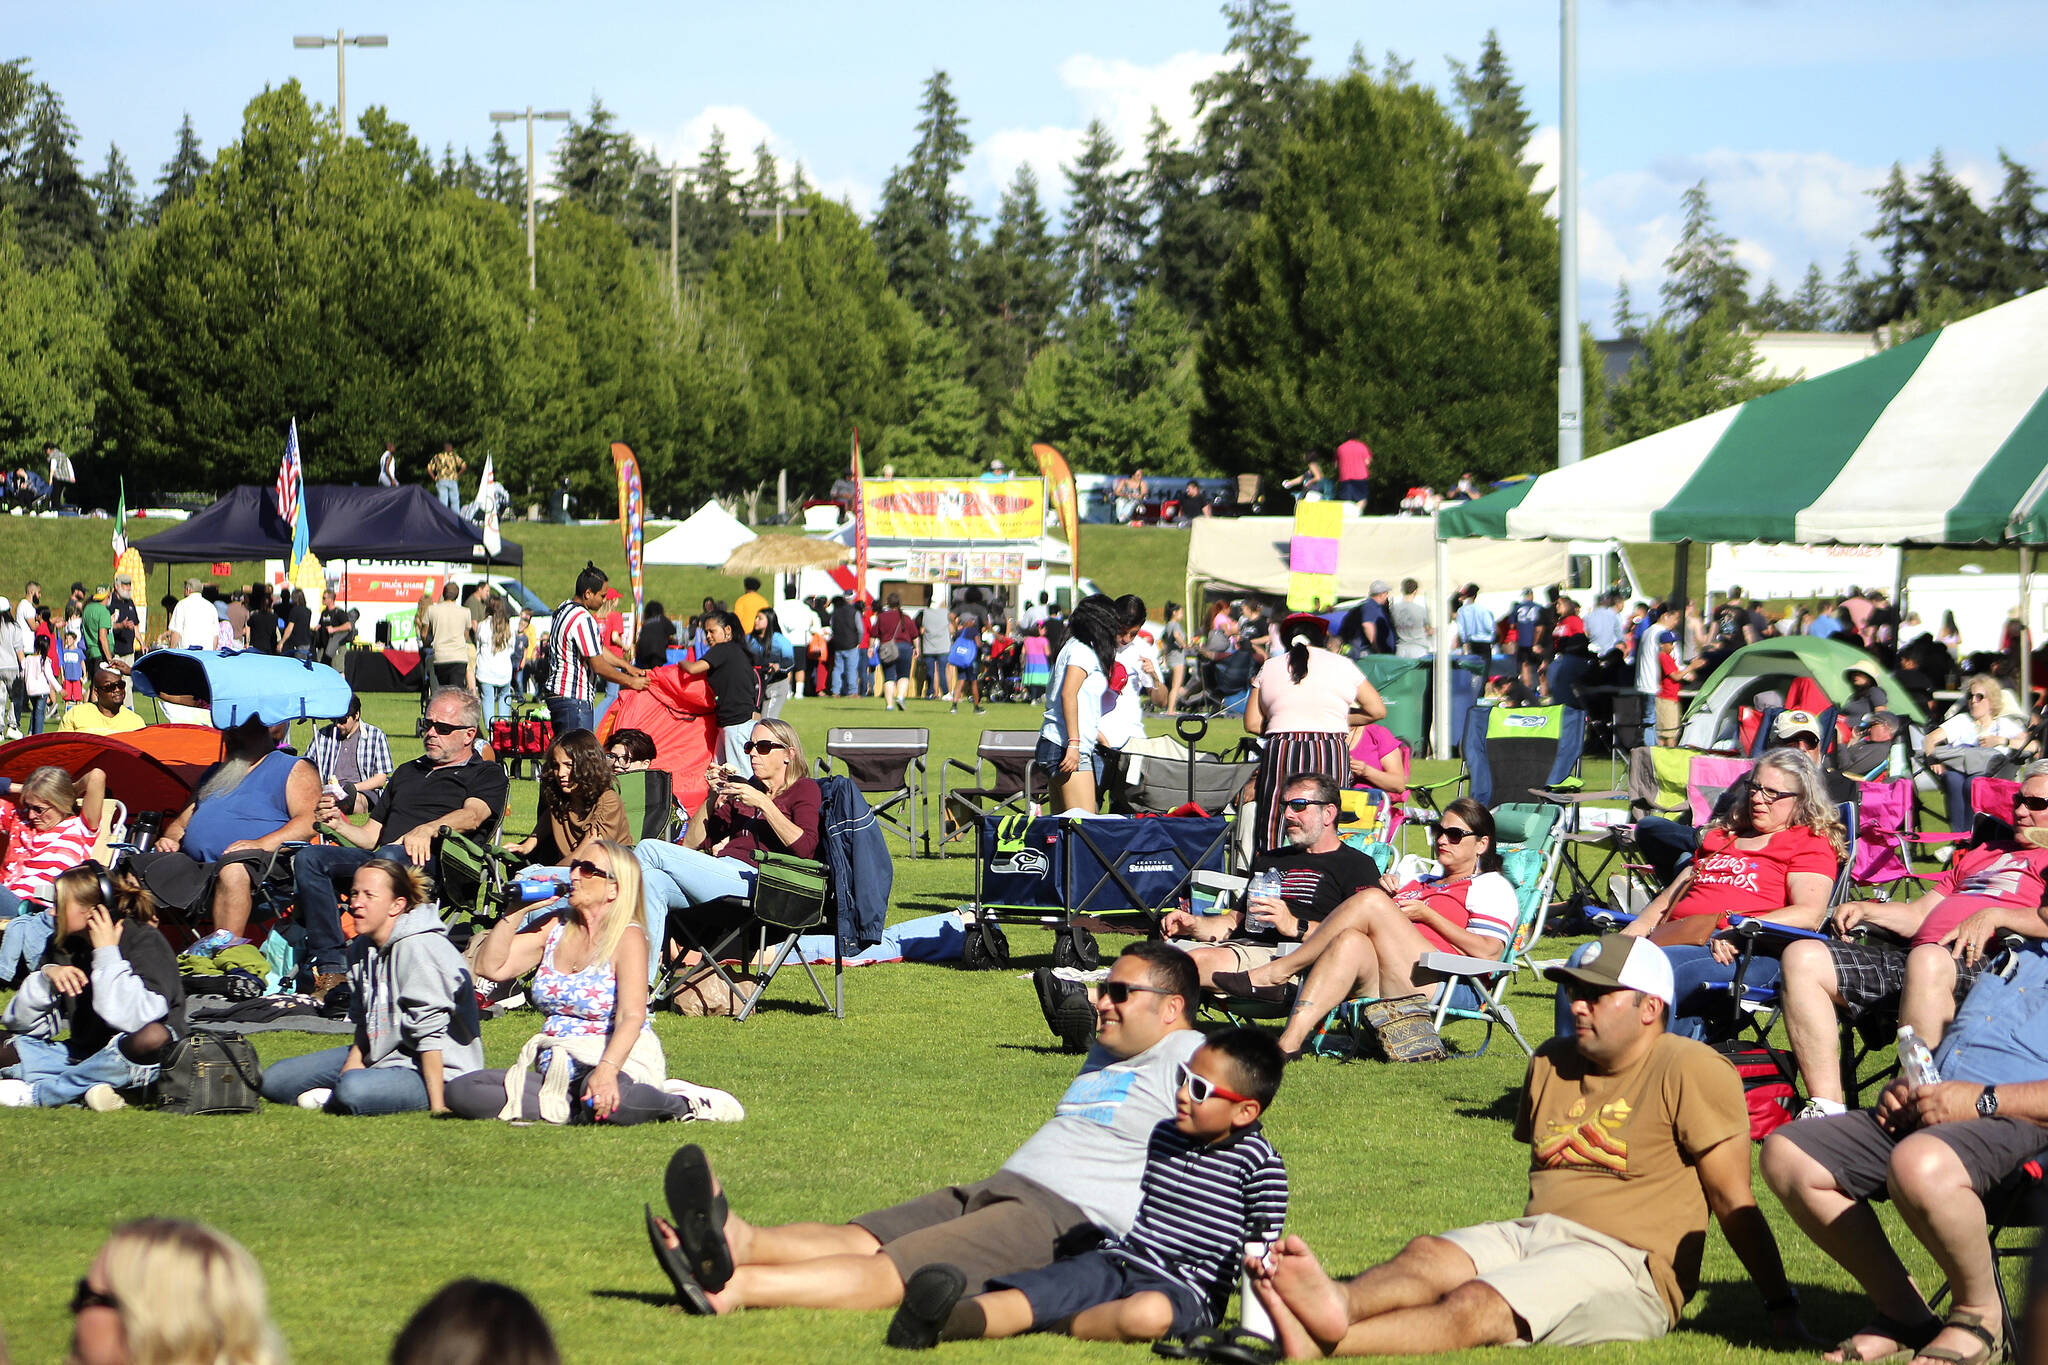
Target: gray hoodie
<point>414,995</point>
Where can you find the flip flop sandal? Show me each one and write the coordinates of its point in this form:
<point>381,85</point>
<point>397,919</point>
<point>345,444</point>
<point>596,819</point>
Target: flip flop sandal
<point>1974,1325</point>
<point>698,1214</point>
<point>1185,1345</point>
<point>1239,1347</point>
<point>1239,985</point>
<point>1909,1336</point>
<point>689,1293</point>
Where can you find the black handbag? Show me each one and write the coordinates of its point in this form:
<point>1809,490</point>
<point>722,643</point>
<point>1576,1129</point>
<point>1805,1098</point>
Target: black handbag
<point>210,1073</point>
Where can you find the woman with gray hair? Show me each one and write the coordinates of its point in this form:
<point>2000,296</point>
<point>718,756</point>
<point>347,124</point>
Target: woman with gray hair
<point>1774,856</point>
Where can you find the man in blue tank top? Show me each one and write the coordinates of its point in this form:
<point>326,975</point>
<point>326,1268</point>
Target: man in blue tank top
<point>214,852</point>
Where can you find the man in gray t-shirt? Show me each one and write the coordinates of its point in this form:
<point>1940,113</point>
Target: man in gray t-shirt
<point>934,638</point>
<point>1078,1172</point>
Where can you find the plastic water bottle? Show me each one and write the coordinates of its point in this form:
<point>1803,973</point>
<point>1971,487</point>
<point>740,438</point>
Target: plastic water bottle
<point>1251,1314</point>
<point>529,890</point>
<point>1916,1063</point>
<point>1265,885</point>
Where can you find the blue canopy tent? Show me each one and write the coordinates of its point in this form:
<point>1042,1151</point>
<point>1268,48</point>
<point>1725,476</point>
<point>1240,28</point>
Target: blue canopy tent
<point>236,684</point>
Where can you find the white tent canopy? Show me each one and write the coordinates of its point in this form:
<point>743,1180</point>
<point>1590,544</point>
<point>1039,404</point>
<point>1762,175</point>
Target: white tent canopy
<point>708,537</point>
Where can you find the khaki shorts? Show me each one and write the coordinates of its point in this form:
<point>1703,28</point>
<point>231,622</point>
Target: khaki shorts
<point>1250,955</point>
<point>1569,1285</point>
<point>999,1226</point>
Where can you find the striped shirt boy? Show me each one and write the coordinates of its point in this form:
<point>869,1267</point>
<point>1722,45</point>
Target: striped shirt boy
<point>575,640</point>
<point>1199,1203</point>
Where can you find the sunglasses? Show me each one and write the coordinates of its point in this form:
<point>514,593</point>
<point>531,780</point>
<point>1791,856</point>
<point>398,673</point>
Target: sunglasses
<point>761,746</point>
<point>2035,803</point>
<point>115,686</point>
<point>1980,696</point>
<point>39,808</point>
<point>583,867</point>
<point>84,1296</point>
<point>1450,834</point>
<point>1119,992</point>
<point>1200,1087</point>
<point>1299,803</point>
<point>442,727</point>
<point>1771,795</point>
<point>619,760</point>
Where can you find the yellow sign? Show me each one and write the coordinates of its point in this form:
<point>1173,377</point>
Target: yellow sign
<point>954,509</point>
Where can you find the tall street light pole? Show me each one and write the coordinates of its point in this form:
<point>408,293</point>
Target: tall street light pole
<point>341,43</point>
<point>778,212</point>
<point>529,114</point>
<point>1571,381</point>
<point>676,175</point>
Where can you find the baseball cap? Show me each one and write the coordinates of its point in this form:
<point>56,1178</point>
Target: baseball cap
<point>1792,723</point>
<point>99,594</point>
<point>1379,585</point>
<point>1876,718</point>
<point>611,594</point>
<point>1619,962</point>
<point>124,580</point>
<point>1667,637</point>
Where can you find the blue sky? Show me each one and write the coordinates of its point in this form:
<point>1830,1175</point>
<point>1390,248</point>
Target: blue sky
<point>1791,111</point>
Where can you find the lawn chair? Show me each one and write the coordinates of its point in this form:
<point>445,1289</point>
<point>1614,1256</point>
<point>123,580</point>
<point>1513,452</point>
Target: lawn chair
<point>1004,782</point>
<point>2016,1204</point>
<point>888,765</point>
<point>1509,749</point>
<point>649,795</point>
<point>791,897</point>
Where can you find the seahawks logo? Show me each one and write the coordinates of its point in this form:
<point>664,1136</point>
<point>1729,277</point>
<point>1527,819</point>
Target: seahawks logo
<point>1027,862</point>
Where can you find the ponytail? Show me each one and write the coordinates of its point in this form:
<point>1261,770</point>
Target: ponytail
<point>1297,659</point>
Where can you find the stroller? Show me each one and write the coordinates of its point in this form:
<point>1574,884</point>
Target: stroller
<point>1002,670</point>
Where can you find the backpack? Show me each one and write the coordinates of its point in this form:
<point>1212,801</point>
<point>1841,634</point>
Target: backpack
<point>210,1073</point>
<point>1772,1101</point>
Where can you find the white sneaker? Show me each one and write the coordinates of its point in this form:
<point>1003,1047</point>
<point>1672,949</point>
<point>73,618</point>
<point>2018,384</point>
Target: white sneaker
<point>103,1099</point>
<point>707,1105</point>
<point>315,1098</point>
<point>16,1095</point>
<point>1821,1109</point>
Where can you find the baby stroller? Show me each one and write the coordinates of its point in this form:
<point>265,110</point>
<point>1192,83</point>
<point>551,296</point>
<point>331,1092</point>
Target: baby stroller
<point>1002,670</point>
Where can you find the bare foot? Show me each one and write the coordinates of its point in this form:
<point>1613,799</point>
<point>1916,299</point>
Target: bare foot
<point>1295,1342</point>
<point>1317,1302</point>
<point>724,1301</point>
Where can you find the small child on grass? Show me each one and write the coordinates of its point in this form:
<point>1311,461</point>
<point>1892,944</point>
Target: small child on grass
<point>1212,1183</point>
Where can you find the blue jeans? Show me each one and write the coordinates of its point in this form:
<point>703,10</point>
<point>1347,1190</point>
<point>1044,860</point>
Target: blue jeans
<point>317,871</point>
<point>1694,974</point>
<point>733,752</point>
<point>676,878</point>
<point>1956,787</point>
<point>611,694</point>
<point>845,673</point>
<point>1666,845</point>
<point>366,1090</point>
<point>11,904</point>
<point>55,1079</point>
<point>568,714</point>
<point>497,700</point>
<point>449,491</point>
<point>24,941</point>
<point>934,674</point>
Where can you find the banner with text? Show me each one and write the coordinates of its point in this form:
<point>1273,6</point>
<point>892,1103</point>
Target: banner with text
<point>954,509</point>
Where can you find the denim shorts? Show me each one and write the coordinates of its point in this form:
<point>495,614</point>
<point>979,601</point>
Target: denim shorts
<point>1074,1284</point>
<point>1046,758</point>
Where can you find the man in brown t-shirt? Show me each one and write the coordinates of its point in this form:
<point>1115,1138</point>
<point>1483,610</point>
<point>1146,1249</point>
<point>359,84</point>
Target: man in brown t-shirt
<point>1634,1136</point>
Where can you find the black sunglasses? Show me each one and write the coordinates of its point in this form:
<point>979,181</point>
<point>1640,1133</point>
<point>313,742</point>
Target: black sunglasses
<point>84,1296</point>
<point>1452,833</point>
<point>583,867</point>
<point>2031,802</point>
<point>1304,802</point>
<point>1118,992</point>
<point>442,727</point>
<point>761,746</point>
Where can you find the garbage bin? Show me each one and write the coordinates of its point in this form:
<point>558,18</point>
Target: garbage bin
<point>1403,684</point>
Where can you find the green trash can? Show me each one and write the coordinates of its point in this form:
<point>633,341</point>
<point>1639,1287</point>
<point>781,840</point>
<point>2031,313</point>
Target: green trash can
<point>1403,684</point>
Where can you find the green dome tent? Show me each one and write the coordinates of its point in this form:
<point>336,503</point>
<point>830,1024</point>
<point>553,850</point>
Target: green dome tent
<point>1828,662</point>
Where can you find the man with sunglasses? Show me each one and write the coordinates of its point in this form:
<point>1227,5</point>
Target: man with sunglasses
<point>106,711</point>
<point>1924,954</point>
<point>447,785</point>
<point>1077,1175</point>
<point>1635,1135</point>
<point>1318,872</point>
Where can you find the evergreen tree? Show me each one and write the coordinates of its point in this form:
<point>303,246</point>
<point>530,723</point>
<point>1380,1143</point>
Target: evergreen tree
<point>57,213</point>
<point>1812,309</point>
<point>1399,70</point>
<point>1178,256</point>
<point>799,181</point>
<point>1016,288</point>
<point>711,212</point>
<point>52,332</point>
<point>942,433</point>
<point>1448,362</point>
<point>1626,321</point>
<point>180,175</point>
<point>596,164</point>
<point>1888,296</point>
<point>1105,222</point>
<point>114,194</point>
<point>924,227</point>
<point>1701,273</point>
<point>1684,372</point>
<point>1114,395</point>
<point>1491,102</point>
<point>1853,297</point>
<point>2023,228</point>
<point>765,187</point>
<point>504,175</point>
<point>1961,251</point>
<point>451,174</point>
<point>1770,312</point>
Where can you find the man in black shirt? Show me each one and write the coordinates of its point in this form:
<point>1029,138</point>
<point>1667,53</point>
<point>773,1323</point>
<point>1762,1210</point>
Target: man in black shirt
<point>1318,872</point>
<point>448,785</point>
<point>657,633</point>
<point>735,688</point>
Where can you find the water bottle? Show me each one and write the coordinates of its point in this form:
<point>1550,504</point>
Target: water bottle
<point>1916,1063</point>
<point>529,890</point>
<point>1251,1313</point>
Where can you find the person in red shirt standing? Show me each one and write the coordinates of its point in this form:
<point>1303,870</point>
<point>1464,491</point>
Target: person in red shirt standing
<point>611,632</point>
<point>1667,688</point>
<point>1354,470</point>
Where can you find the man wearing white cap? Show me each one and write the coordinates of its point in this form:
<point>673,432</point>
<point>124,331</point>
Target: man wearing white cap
<point>1634,1135</point>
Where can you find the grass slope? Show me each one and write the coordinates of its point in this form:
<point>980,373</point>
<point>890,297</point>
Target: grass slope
<point>933,1077</point>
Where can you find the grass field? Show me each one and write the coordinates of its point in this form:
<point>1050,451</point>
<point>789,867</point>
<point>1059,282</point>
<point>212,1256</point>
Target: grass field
<point>934,1076</point>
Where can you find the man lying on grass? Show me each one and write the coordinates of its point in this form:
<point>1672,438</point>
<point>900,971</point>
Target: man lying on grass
<point>1076,1176</point>
<point>1634,1134</point>
<point>1212,1185</point>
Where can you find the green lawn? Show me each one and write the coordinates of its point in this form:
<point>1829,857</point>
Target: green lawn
<point>934,1076</point>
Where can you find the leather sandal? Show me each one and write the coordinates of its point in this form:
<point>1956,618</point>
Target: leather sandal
<point>1971,1323</point>
<point>689,1293</point>
<point>1909,1336</point>
<point>1239,985</point>
<point>698,1213</point>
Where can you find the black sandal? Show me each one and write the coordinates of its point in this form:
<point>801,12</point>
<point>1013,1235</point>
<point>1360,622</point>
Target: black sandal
<point>689,1293</point>
<point>698,1215</point>
<point>1238,985</point>
<point>1185,1345</point>
<point>1909,1336</point>
<point>1236,1346</point>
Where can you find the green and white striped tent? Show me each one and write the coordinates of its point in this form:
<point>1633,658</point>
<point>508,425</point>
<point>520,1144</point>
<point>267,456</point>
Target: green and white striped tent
<point>1940,441</point>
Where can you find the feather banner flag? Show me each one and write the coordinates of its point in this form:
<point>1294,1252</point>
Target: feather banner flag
<point>632,513</point>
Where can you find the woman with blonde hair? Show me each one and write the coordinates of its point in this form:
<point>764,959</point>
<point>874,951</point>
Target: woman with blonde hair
<point>167,1292</point>
<point>596,1058</point>
<point>1988,717</point>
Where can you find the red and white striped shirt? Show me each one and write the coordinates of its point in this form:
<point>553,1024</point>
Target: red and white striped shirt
<point>574,641</point>
<point>35,857</point>
<point>1483,905</point>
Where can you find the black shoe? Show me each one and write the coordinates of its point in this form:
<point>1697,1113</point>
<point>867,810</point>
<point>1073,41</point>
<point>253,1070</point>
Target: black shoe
<point>928,1298</point>
<point>1069,1011</point>
<point>1239,985</point>
<point>699,1217</point>
<point>689,1293</point>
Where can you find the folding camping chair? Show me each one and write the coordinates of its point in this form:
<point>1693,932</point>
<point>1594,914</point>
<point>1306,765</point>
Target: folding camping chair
<point>649,795</point>
<point>791,897</point>
<point>1509,749</point>
<point>888,765</point>
<point>1003,779</point>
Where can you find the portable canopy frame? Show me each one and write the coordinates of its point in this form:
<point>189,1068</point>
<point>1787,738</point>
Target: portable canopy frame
<point>1942,440</point>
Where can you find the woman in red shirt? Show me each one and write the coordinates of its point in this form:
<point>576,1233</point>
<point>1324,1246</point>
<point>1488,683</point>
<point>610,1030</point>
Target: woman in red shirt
<point>1774,857</point>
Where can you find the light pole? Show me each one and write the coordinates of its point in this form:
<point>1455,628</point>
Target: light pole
<point>1571,381</point>
<point>676,175</point>
<point>778,211</point>
<point>341,43</point>
<point>529,114</point>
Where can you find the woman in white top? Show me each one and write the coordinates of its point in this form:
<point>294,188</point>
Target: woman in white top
<point>1069,759</point>
<point>495,635</point>
<point>1987,717</point>
<point>1304,700</point>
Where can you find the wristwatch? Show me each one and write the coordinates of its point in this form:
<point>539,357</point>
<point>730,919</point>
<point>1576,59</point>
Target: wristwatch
<point>1987,1103</point>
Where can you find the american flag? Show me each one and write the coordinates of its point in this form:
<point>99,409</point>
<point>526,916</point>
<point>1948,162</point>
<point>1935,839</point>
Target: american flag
<point>290,477</point>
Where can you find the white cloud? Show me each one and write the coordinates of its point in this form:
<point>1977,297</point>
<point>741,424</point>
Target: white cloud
<point>1121,93</point>
<point>744,131</point>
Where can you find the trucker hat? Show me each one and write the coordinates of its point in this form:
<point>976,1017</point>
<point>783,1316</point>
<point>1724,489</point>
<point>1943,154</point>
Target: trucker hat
<point>1619,962</point>
<point>1792,723</point>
